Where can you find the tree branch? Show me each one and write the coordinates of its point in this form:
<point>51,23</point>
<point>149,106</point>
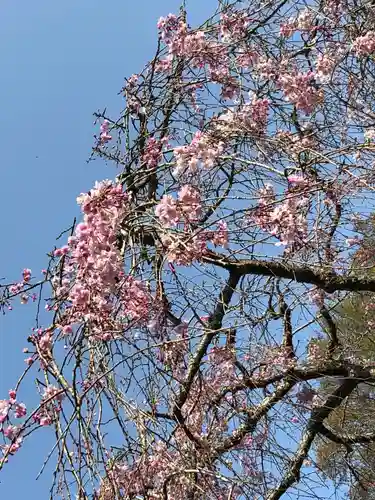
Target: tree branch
<point>328,281</point>
<point>214,323</point>
<point>314,427</point>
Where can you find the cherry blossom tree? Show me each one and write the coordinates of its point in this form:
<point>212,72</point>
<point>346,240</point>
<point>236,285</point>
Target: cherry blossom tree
<point>177,352</point>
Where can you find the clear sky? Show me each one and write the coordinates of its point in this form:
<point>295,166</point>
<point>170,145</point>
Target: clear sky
<point>60,62</point>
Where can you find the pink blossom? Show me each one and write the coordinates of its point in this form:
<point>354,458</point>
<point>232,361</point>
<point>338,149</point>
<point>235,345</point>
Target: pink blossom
<point>298,180</point>
<point>29,361</point>
<point>353,241</point>
<point>364,45</point>
<point>104,132</point>
<point>317,296</point>
<point>233,26</point>
<point>190,202</point>
<point>93,264</point>
<point>20,410</point>
<point>45,421</point>
<point>220,236</point>
<point>287,29</point>
<point>201,150</point>
<point>4,409</point>
<point>137,302</point>
<point>327,61</point>
<point>369,134</point>
<point>65,250</point>
<point>11,449</point>
<point>184,250</point>
<point>67,330</point>
<point>24,298</point>
<point>286,220</point>
<point>166,211</point>
<point>11,431</point>
<point>152,153</point>
<point>12,395</point>
<point>26,273</point>
<point>16,288</point>
<point>301,90</point>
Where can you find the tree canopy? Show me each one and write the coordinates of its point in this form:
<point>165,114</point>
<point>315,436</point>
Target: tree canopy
<point>205,330</point>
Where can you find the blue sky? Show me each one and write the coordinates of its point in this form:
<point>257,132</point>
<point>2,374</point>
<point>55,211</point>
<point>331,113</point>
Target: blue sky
<point>60,61</point>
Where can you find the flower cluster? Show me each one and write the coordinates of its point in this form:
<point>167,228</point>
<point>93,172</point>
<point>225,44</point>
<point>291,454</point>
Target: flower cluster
<point>247,58</point>
<point>183,250</point>
<point>173,353</point>
<point>222,371</point>
<point>190,203</point>
<point>250,118</point>
<point>26,274</point>
<point>42,340</point>
<point>294,143</point>
<point>201,151</point>
<point>11,408</point>
<point>162,472</point>
<point>19,289</point>
<point>304,21</point>
<point>327,61</point>
<point>364,45</point>
<point>188,207</point>
<point>133,103</point>
<point>166,211</point>
<point>301,89</point>
<point>152,153</point>
<point>220,237</point>
<point>317,296</point>
<point>274,360</point>
<point>334,8</point>
<point>253,115</point>
<point>168,26</point>
<point>199,50</point>
<point>50,406</point>
<point>233,26</point>
<point>104,132</point>
<point>135,301</point>
<point>285,220</point>
<point>270,69</point>
<point>315,352</point>
<point>93,263</point>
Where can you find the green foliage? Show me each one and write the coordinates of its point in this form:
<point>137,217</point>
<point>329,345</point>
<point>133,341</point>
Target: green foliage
<point>355,321</point>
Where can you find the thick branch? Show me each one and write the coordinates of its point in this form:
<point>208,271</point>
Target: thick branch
<point>328,281</point>
<point>254,416</point>
<point>299,374</point>
<point>314,427</point>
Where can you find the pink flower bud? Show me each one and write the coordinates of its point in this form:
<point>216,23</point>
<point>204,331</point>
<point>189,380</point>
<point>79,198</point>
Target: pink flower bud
<point>67,330</point>
<point>12,394</point>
